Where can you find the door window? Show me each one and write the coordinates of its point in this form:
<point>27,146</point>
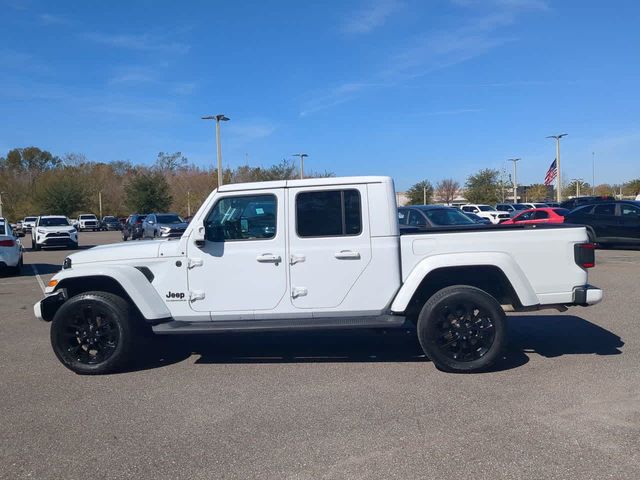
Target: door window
<point>524,216</point>
<point>629,211</point>
<point>540,215</point>
<point>249,217</point>
<point>416,219</point>
<point>403,216</point>
<point>606,209</point>
<point>328,213</point>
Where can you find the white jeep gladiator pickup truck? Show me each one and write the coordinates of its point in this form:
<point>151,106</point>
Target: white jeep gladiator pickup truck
<point>314,254</point>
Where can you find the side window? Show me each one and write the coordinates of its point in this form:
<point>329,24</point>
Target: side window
<point>250,217</point>
<point>416,219</point>
<point>525,216</point>
<point>403,216</point>
<point>467,209</point>
<point>328,213</point>
<point>629,211</point>
<point>608,209</point>
<point>539,215</point>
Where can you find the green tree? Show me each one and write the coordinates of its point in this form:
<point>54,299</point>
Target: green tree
<point>537,192</point>
<point>31,159</point>
<point>416,194</point>
<point>576,188</point>
<point>632,187</point>
<point>59,193</point>
<point>147,192</point>
<point>170,162</point>
<point>483,187</point>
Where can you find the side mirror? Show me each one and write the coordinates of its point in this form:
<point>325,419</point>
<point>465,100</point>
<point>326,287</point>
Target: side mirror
<point>199,236</point>
<point>215,233</point>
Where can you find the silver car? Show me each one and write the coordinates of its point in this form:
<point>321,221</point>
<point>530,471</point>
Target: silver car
<point>163,225</point>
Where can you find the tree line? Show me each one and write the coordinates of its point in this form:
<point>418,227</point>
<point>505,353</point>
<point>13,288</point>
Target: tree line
<point>35,182</point>
<point>488,186</point>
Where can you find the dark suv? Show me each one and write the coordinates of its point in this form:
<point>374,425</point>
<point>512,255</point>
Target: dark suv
<point>609,222</point>
<point>132,229</point>
<point>579,201</point>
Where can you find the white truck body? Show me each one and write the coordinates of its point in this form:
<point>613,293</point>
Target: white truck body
<point>290,275</point>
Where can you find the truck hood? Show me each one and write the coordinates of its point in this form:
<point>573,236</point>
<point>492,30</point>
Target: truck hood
<point>59,228</point>
<point>118,252</point>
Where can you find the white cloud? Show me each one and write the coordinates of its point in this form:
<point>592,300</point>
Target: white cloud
<point>52,19</point>
<point>372,16</point>
<point>143,42</point>
<point>249,131</point>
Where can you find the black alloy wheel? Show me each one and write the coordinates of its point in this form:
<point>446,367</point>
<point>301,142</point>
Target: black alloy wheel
<point>462,329</point>
<point>92,333</point>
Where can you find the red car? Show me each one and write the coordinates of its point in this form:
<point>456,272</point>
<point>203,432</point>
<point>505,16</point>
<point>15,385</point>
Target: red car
<point>538,215</point>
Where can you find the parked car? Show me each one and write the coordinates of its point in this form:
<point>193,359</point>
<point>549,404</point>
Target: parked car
<point>609,222</point>
<point>477,218</point>
<point>132,229</point>
<point>323,254</point>
<point>486,211</point>
<point>163,225</point>
<point>109,223</point>
<point>528,205</point>
<point>28,223</point>
<point>10,249</point>
<point>87,221</point>
<point>539,215</point>
<point>425,217</point>
<point>553,204</point>
<point>53,231</point>
<point>578,201</point>
<point>511,208</point>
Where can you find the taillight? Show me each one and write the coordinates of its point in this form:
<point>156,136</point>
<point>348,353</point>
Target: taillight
<point>7,243</point>
<point>585,255</point>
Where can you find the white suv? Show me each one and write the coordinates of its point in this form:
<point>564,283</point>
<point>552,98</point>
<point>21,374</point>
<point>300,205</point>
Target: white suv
<point>53,231</point>
<point>486,211</point>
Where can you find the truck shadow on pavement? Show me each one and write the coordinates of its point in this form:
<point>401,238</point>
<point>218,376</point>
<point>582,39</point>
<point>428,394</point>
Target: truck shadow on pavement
<point>42,269</point>
<point>546,335</point>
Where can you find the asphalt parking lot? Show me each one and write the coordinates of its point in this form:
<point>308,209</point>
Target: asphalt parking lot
<point>564,403</point>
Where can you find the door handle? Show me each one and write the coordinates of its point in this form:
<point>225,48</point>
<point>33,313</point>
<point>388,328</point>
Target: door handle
<point>347,255</point>
<point>269,258</point>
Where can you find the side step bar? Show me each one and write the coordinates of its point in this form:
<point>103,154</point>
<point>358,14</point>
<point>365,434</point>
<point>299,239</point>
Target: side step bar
<point>221,326</point>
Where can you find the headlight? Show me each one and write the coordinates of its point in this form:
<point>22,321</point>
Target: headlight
<point>165,229</point>
<point>41,230</point>
<point>73,230</point>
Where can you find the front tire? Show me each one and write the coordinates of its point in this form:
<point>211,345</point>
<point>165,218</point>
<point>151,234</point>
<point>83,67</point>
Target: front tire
<point>462,329</point>
<point>93,333</point>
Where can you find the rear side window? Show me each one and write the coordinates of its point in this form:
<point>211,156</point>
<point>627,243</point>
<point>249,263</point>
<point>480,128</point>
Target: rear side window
<point>539,215</point>
<point>328,213</point>
<point>605,209</point>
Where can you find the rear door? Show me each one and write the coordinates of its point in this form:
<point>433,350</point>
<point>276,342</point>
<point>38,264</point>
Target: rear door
<point>629,222</point>
<point>329,243</point>
<point>604,220</point>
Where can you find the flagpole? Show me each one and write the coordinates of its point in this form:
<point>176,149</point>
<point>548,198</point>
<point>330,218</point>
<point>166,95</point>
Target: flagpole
<point>559,177</point>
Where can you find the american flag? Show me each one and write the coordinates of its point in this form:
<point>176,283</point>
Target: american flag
<point>552,173</point>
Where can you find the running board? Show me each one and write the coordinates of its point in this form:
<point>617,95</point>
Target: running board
<point>221,326</point>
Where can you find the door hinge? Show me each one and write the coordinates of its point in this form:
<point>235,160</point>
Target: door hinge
<point>296,259</point>
<point>195,262</point>
<point>196,295</point>
<point>298,292</point>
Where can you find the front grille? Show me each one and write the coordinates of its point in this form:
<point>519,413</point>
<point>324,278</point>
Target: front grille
<point>57,241</point>
<point>57,235</point>
<point>90,223</point>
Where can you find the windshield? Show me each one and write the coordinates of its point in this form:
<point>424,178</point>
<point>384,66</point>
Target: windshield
<point>540,205</point>
<point>54,222</point>
<point>518,206</point>
<point>485,208</point>
<point>30,219</point>
<point>447,216</point>
<point>169,219</point>
<point>87,217</point>
<point>110,219</point>
<point>3,228</point>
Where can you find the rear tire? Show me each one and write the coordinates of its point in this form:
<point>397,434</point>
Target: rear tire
<point>462,329</point>
<point>93,333</point>
<point>36,247</point>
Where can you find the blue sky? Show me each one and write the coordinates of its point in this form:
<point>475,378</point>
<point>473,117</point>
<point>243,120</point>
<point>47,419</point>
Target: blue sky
<point>409,88</point>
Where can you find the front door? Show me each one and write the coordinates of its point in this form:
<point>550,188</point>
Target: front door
<point>629,222</point>
<point>329,243</point>
<point>242,265</point>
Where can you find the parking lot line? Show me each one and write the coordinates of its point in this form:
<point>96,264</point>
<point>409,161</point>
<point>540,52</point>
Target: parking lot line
<point>38,277</point>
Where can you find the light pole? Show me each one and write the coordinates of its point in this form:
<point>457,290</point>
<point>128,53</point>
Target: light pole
<point>218,118</point>
<point>578,182</point>
<point>1,193</point>
<point>302,157</point>
<point>188,203</point>
<point>558,177</point>
<point>593,173</point>
<point>515,178</point>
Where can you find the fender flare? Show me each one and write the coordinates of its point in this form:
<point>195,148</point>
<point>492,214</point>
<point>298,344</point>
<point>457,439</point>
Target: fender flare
<point>503,261</point>
<point>131,280</point>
